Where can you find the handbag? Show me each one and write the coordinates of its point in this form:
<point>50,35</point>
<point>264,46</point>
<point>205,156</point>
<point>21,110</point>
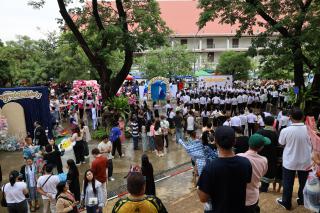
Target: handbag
<point>3,199</point>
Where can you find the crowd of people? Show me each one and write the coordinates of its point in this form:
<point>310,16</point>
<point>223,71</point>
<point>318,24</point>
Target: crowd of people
<point>250,138</point>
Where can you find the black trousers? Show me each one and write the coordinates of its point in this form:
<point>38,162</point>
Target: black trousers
<point>21,207</point>
<point>116,146</point>
<point>253,208</point>
<point>86,148</point>
<point>288,181</point>
<point>233,109</point>
<point>165,137</point>
<point>110,168</point>
<point>81,111</point>
<point>202,107</point>
<point>78,150</point>
<point>250,129</point>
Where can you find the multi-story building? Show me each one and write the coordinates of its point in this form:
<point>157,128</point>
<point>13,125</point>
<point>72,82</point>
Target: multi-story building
<point>210,42</point>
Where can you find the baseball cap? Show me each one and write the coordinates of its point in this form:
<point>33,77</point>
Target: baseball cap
<point>257,140</point>
<point>225,137</point>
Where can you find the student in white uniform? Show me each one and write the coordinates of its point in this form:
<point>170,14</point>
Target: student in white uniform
<point>252,119</point>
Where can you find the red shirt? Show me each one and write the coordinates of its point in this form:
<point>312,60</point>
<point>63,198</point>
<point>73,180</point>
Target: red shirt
<point>99,167</point>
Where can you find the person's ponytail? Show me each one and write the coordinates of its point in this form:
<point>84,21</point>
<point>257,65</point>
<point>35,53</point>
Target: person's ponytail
<point>13,176</point>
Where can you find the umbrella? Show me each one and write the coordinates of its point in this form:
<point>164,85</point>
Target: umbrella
<point>202,73</point>
<point>129,78</point>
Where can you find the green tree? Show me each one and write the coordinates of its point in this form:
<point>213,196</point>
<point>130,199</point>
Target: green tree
<point>5,73</point>
<point>291,20</point>
<point>25,60</point>
<point>273,67</point>
<point>167,62</point>
<point>234,63</point>
<point>101,28</point>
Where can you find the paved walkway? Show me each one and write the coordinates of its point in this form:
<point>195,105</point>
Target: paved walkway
<point>179,196</point>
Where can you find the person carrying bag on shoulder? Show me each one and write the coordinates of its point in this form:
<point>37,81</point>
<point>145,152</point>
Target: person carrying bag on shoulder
<point>14,194</point>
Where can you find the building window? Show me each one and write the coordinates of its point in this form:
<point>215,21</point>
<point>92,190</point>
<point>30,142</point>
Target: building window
<point>210,43</point>
<point>184,41</point>
<point>211,57</point>
<point>235,43</point>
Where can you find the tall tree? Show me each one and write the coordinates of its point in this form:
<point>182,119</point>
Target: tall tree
<point>100,28</point>
<point>236,64</point>
<point>167,62</point>
<point>290,20</point>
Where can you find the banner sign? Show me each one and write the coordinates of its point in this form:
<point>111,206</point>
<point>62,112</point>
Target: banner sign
<point>219,80</point>
<point>8,96</point>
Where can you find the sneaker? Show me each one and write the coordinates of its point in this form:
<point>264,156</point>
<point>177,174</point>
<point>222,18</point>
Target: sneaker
<point>78,164</point>
<point>83,162</point>
<point>86,157</point>
<point>299,202</point>
<point>280,202</point>
<point>111,179</point>
<point>112,157</point>
<point>122,155</point>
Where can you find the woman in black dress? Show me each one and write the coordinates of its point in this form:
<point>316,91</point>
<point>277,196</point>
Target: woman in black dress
<point>73,179</point>
<point>147,171</point>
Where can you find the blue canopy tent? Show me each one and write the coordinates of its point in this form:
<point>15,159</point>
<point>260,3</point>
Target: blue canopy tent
<point>35,102</point>
<point>158,90</point>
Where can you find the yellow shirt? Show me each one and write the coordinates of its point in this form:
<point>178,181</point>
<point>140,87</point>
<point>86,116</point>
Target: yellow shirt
<point>146,204</point>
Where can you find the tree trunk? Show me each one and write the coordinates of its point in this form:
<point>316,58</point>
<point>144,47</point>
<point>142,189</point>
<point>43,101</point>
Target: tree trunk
<point>298,71</point>
<point>313,106</point>
<point>316,83</point>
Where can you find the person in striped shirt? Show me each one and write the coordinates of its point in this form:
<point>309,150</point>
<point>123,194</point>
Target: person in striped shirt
<point>134,132</point>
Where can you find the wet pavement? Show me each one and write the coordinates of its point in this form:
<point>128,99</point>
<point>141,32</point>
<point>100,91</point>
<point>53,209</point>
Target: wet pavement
<point>175,156</point>
<point>176,192</point>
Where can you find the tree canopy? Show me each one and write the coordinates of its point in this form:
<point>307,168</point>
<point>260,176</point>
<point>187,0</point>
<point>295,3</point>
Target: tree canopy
<point>290,29</point>
<point>234,63</point>
<point>101,29</point>
<point>167,62</point>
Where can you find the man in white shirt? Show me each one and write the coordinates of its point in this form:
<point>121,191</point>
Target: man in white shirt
<point>240,102</point>
<point>250,101</point>
<point>186,99</point>
<point>243,119</point>
<point>275,96</point>
<point>105,146</point>
<point>234,104</point>
<point>235,121</point>
<point>47,187</point>
<point>202,102</point>
<point>216,101</point>
<point>252,119</point>
<point>244,100</point>
<point>296,158</point>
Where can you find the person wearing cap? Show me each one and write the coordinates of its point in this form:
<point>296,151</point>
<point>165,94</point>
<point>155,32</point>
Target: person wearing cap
<point>296,158</point>
<point>271,152</point>
<point>224,179</point>
<point>15,193</point>
<point>259,168</point>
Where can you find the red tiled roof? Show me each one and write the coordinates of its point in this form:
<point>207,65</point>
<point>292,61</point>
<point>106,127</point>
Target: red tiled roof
<point>181,17</point>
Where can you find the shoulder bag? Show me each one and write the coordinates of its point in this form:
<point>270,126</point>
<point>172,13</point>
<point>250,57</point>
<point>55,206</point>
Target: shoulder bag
<point>3,199</point>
